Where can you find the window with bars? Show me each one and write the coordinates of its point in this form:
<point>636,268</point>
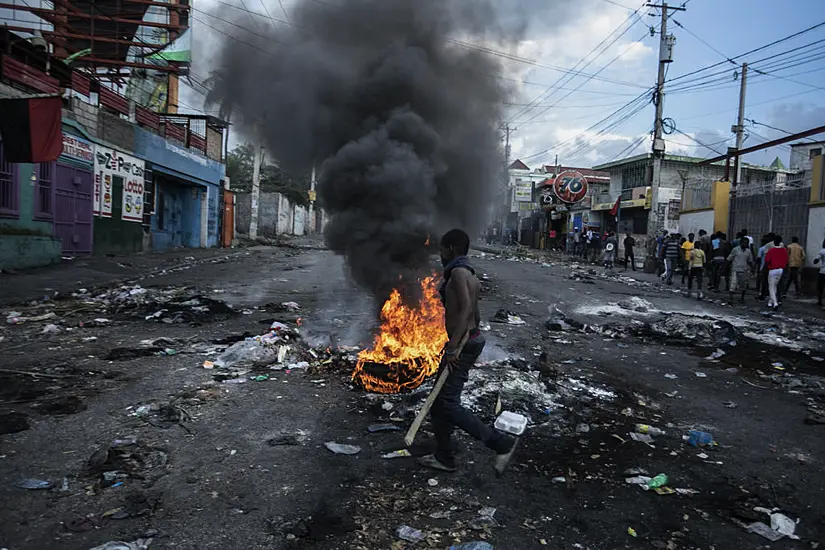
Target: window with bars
<point>43,202</point>
<point>8,187</point>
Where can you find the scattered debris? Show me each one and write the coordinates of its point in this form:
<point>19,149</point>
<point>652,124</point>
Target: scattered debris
<point>715,355</point>
<point>401,453</point>
<point>697,438</point>
<point>407,533</point>
<point>140,544</point>
<point>373,428</point>
<point>508,317</point>
<point>34,484</point>
<point>342,448</point>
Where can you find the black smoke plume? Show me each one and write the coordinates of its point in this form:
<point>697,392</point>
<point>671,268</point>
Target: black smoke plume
<point>401,116</point>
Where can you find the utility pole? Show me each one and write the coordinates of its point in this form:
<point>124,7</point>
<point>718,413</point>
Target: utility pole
<point>665,56</point>
<point>257,160</point>
<point>508,193</point>
<point>739,129</point>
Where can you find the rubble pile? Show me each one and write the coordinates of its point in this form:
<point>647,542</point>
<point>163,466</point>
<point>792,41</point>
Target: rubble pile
<point>163,305</point>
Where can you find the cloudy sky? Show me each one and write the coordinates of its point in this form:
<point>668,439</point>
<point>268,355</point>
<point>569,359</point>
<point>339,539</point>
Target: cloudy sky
<point>553,110</point>
<point>587,119</point>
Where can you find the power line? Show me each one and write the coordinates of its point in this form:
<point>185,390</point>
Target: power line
<point>710,148</point>
<point>702,41</point>
<point>627,105</point>
<point>766,46</point>
<point>550,90</point>
<point>609,63</point>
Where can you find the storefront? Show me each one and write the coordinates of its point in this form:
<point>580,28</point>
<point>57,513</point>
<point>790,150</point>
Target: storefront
<point>184,194</point>
<point>119,185</point>
<point>69,184</point>
<point>632,216</point>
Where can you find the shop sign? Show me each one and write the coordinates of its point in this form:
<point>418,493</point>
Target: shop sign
<point>113,168</point>
<point>77,148</point>
<point>570,186</point>
<point>523,191</point>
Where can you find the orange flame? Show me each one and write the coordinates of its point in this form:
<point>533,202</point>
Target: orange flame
<point>409,344</point>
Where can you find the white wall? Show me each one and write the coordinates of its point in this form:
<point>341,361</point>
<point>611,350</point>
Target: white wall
<point>816,233</point>
<point>692,222</point>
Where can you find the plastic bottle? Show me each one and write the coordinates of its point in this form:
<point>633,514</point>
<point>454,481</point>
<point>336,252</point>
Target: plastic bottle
<point>645,429</point>
<point>658,481</point>
<point>477,545</point>
<point>699,439</point>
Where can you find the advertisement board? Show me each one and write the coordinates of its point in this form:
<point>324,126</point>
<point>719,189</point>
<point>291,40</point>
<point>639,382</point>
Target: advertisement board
<point>114,169</point>
<point>523,191</point>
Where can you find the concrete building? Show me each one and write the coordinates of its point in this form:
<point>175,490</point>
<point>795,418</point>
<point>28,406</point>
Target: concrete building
<point>803,154</point>
<point>685,190</point>
<point>129,179</point>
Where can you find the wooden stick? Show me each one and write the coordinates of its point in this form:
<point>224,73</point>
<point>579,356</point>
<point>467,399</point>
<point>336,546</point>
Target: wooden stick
<point>422,414</point>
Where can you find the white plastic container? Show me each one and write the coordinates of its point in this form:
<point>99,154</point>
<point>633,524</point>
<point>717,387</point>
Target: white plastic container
<point>511,423</point>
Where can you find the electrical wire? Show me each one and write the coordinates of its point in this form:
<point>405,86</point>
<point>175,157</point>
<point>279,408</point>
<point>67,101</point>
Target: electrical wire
<point>609,63</point>
<point>552,88</point>
<point>629,105</point>
<point>690,137</point>
<point>749,52</point>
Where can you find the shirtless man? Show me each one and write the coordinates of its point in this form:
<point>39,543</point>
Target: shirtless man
<point>459,293</point>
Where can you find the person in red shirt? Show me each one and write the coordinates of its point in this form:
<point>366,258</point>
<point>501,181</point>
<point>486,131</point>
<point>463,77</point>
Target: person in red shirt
<point>776,262</point>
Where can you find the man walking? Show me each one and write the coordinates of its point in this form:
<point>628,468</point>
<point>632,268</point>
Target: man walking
<point>697,269</point>
<point>660,252</point>
<point>459,294</point>
<point>629,257</point>
<point>687,246</point>
<point>671,257</point>
<point>796,259</point>
<point>776,261</point>
<point>762,277</point>
<point>741,263</point>
<point>720,249</point>
<point>610,245</point>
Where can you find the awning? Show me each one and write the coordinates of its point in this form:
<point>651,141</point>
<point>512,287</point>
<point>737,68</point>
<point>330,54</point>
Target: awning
<point>180,175</point>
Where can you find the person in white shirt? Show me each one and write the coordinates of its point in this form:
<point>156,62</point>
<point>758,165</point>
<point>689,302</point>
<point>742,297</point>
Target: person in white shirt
<point>820,282</point>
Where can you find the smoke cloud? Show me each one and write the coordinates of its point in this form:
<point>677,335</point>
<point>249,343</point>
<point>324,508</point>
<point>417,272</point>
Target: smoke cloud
<point>402,119</point>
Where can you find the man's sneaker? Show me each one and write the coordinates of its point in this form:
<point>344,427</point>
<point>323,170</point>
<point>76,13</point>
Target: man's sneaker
<point>430,461</point>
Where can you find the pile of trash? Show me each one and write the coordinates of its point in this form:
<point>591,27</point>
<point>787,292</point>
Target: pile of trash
<point>508,317</point>
<point>162,305</point>
<point>124,460</point>
<point>280,349</point>
<point>499,385</point>
<point>709,331</point>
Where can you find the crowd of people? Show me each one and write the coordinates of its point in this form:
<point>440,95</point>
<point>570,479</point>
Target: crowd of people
<point>592,246</point>
<point>713,262</point>
<point>772,266</point>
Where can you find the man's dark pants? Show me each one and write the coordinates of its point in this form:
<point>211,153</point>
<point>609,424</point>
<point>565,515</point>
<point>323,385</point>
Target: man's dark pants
<point>793,279</point>
<point>447,412</point>
<point>629,259</point>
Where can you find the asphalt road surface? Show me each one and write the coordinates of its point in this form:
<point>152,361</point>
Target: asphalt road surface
<point>138,440</point>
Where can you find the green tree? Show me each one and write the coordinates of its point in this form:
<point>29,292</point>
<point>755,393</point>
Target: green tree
<point>239,165</point>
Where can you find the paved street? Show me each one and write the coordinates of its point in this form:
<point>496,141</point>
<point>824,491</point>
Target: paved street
<point>139,440</point>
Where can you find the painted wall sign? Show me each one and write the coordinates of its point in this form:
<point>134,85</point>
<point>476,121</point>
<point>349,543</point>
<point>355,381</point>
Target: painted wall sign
<point>523,191</point>
<point>113,168</point>
<point>570,186</point>
<point>77,148</point>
